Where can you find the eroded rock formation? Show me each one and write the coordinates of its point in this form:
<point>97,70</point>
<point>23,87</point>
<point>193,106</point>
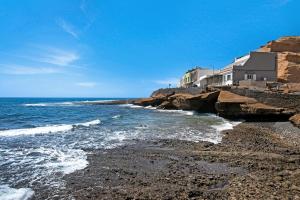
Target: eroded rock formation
<point>288,57</point>
<point>235,106</point>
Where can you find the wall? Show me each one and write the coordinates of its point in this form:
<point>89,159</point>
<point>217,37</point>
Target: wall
<point>291,101</point>
<point>264,65</point>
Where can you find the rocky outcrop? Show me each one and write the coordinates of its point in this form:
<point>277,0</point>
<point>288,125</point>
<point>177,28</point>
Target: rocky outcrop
<point>149,101</point>
<point>201,102</point>
<point>172,91</point>
<point>235,106</point>
<point>288,57</point>
<point>296,120</point>
<point>182,101</point>
<point>229,104</point>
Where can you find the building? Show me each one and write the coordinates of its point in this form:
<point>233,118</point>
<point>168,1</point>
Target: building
<point>256,66</point>
<point>193,77</point>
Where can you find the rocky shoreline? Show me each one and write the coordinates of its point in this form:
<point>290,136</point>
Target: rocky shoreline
<point>232,103</point>
<point>253,161</point>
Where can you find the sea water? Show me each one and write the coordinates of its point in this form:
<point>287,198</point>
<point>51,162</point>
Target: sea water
<point>42,139</point>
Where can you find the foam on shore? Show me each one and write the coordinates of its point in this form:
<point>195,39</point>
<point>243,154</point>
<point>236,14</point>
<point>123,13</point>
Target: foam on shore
<point>184,112</point>
<point>8,193</point>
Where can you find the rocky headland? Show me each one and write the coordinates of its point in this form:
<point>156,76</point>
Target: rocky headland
<point>250,105</point>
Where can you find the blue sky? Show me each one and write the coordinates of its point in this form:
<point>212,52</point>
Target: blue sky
<point>116,48</point>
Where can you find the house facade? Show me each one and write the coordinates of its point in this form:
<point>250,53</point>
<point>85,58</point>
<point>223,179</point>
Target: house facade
<point>256,66</point>
<point>253,67</point>
<point>193,77</point>
<point>260,66</point>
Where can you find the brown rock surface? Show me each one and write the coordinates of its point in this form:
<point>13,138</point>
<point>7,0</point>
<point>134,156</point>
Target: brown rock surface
<point>288,49</point>
<point>233,105</point>
<point>201,102</point>
<point>149,101</point>
<point>296,120</point>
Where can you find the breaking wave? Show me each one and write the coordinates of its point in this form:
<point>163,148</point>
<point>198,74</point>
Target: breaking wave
<point>8,193</point>
<point>67,103</point>
<point>47,129</point>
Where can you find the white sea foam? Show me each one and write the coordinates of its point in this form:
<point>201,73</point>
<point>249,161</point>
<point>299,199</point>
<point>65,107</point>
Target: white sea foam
<point>47,129</point>
<point>64,160</point>
<point>91,123</point>
<point>131,106</point>
<point>116,116</point>
<point>67,103</point>
<point>50,104</point>
<point>184,112</point>
<point>8,193</point>
<point>150,107</point>
<point>225,126</point>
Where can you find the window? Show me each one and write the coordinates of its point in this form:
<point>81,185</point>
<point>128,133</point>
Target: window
<point>249,76</point>
<point>228,77</point>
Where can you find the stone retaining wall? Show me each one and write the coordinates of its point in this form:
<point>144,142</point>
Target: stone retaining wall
<point>291,101</point>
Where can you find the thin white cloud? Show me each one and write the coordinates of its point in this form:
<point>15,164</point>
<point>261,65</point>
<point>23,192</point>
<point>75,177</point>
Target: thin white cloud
<point>54,56</point>
<point>86,84</point>
<point>59,57</point>
<point>68,28</point>
<point>27,70</point>
<point>172,81</point>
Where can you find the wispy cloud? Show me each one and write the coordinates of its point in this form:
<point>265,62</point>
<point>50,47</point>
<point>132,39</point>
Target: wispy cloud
<point>27,70</point>
<point>167,81</point>
<point>53,56</point>
<point>68,27</point>
<point>86,84</point>
<point>40,60</point>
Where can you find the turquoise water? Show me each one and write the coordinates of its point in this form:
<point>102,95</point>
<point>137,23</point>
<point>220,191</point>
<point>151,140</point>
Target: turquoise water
<point>42,139</point>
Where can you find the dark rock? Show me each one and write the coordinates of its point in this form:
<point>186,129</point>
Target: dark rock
<point>236,106</point>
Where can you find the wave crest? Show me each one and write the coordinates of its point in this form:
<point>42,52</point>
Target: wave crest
<point>47,129</point>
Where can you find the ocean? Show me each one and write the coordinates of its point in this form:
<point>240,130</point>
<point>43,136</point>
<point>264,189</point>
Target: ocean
<point>43,139</point>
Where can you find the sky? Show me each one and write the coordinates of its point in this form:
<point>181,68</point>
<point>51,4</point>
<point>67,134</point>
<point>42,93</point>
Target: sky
<point>117,48</point>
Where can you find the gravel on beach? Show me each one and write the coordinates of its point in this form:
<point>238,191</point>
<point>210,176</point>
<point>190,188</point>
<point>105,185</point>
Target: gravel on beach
<point>253,161</point>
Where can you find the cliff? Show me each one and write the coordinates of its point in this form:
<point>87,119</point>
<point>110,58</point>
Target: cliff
<point>232,105</point>
<point>235,103</point>
<point>288,58</point>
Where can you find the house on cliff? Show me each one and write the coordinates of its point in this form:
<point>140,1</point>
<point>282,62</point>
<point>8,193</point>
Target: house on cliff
<point>254,67</point>
<point>193,77</point>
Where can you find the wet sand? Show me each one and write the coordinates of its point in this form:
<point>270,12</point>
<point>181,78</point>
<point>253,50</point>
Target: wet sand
<point>253,161</point>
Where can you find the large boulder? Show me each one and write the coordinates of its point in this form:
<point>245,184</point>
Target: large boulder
<point>201,102</point>
<point>236,106</point>
<point>166,105</point>
<point>148,101</point>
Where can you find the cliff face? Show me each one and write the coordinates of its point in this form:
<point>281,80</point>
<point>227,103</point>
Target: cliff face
<point>225,103</point>
<point>236,106</point>
<point>288,51</point>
